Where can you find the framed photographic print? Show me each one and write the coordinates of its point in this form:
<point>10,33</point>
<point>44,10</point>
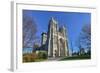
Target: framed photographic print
<point>52,35</point>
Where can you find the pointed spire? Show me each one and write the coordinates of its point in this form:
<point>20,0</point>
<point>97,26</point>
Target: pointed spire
<point>53,20</point>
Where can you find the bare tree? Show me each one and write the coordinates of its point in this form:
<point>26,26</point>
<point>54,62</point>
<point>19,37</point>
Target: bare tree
<point>29,31</point>
<point>84,40</point>
<point>86,36</point>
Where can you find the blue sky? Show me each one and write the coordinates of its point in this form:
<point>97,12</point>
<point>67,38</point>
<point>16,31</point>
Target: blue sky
<point>74,21</point>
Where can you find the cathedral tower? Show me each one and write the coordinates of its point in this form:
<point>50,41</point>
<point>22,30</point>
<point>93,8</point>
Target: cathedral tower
<point>52,38</point>
<point>44,38</point>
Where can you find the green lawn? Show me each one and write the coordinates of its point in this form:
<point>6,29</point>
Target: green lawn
<point>76,58</point>
<point>33,57</point>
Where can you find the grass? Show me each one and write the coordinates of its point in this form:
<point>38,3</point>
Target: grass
<point>33,57</point>
<point>76,58</point>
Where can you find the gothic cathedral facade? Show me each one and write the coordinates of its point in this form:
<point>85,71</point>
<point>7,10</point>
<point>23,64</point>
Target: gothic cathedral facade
<point>56,40</point>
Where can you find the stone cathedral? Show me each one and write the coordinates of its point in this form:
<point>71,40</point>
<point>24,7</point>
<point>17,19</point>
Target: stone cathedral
<point>55,40</point>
